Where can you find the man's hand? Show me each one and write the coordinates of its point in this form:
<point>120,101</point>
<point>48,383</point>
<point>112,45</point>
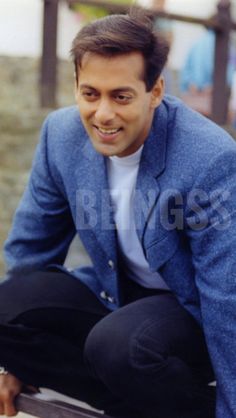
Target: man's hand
<point>10,387</point>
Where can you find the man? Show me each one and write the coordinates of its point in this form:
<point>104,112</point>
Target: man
<point>196,78</point>
<point>149,185</point>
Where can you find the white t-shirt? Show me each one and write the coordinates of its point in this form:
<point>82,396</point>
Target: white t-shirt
<point>122,176</point>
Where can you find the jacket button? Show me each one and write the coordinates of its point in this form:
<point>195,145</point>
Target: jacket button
<point>111,264</point>
<point>104,295</point>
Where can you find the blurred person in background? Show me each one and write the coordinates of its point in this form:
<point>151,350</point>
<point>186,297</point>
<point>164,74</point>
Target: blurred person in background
<point>196,76</point>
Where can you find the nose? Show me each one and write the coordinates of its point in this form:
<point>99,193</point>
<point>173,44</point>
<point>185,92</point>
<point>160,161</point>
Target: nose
<point>104,112</point>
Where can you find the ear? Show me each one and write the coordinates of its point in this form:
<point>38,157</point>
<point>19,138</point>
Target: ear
<point>157,92</point>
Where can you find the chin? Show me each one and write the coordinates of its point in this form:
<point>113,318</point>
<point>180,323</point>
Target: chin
<point>105,151</point>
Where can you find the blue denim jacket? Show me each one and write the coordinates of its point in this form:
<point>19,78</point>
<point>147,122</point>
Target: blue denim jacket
<point>184,212</point>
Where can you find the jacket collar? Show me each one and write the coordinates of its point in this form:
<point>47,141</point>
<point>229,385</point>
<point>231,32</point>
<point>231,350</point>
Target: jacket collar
<point>92,181</point>
<point>154,151</point>
<point>152,164</point>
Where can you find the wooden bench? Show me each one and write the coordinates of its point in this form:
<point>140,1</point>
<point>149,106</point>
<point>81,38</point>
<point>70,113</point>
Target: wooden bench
<point>31,404</point>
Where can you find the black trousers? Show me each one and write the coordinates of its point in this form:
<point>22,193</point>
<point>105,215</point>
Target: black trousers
<point>148,359</point>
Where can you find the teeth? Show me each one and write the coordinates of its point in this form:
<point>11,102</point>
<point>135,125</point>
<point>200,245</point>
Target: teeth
<point>108,131</point>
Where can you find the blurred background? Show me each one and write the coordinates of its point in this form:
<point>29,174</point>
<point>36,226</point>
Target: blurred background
<point>21,113</point>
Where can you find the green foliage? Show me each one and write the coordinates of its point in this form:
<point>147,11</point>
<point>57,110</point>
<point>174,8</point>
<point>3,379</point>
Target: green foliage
<point>87,13</point>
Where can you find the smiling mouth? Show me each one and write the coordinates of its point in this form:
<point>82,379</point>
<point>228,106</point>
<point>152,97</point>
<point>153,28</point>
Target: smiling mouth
<point>107,131</point>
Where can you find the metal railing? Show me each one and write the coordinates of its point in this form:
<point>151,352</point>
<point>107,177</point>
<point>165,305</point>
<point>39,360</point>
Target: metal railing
<point>221,24</point>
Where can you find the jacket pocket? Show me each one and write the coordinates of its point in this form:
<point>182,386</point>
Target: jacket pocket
<point>159,252</point>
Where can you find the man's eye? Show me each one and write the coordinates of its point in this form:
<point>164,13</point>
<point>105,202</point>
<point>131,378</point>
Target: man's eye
<point>123,98</point>
<point>89,94</point>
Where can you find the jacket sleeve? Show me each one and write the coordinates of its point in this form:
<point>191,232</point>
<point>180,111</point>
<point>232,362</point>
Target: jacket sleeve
<point>211,227</point>
<point>42,227</point>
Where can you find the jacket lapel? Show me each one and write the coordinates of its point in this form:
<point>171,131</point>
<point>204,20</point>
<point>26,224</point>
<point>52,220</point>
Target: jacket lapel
<point>152,164</point>
<point>93,199</point>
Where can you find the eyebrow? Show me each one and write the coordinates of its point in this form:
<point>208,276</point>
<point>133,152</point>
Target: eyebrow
<point>118,90</point>
<point>86,86</point>
<point>125,88</point>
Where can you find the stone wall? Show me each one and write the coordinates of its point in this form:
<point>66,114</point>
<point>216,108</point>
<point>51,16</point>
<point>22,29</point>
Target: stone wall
<point>20,122</point>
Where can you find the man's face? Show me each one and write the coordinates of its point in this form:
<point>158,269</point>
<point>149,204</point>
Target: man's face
<point>115,107</point>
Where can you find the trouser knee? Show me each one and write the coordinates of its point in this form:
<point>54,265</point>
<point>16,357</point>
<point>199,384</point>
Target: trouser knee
<point>115,352</point>
<point>107,350</point>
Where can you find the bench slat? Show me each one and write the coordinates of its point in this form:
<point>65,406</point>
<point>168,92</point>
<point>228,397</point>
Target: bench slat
<point>40,408</point>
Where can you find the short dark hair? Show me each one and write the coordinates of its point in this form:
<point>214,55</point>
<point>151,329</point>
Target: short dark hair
<point>120,34</point>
